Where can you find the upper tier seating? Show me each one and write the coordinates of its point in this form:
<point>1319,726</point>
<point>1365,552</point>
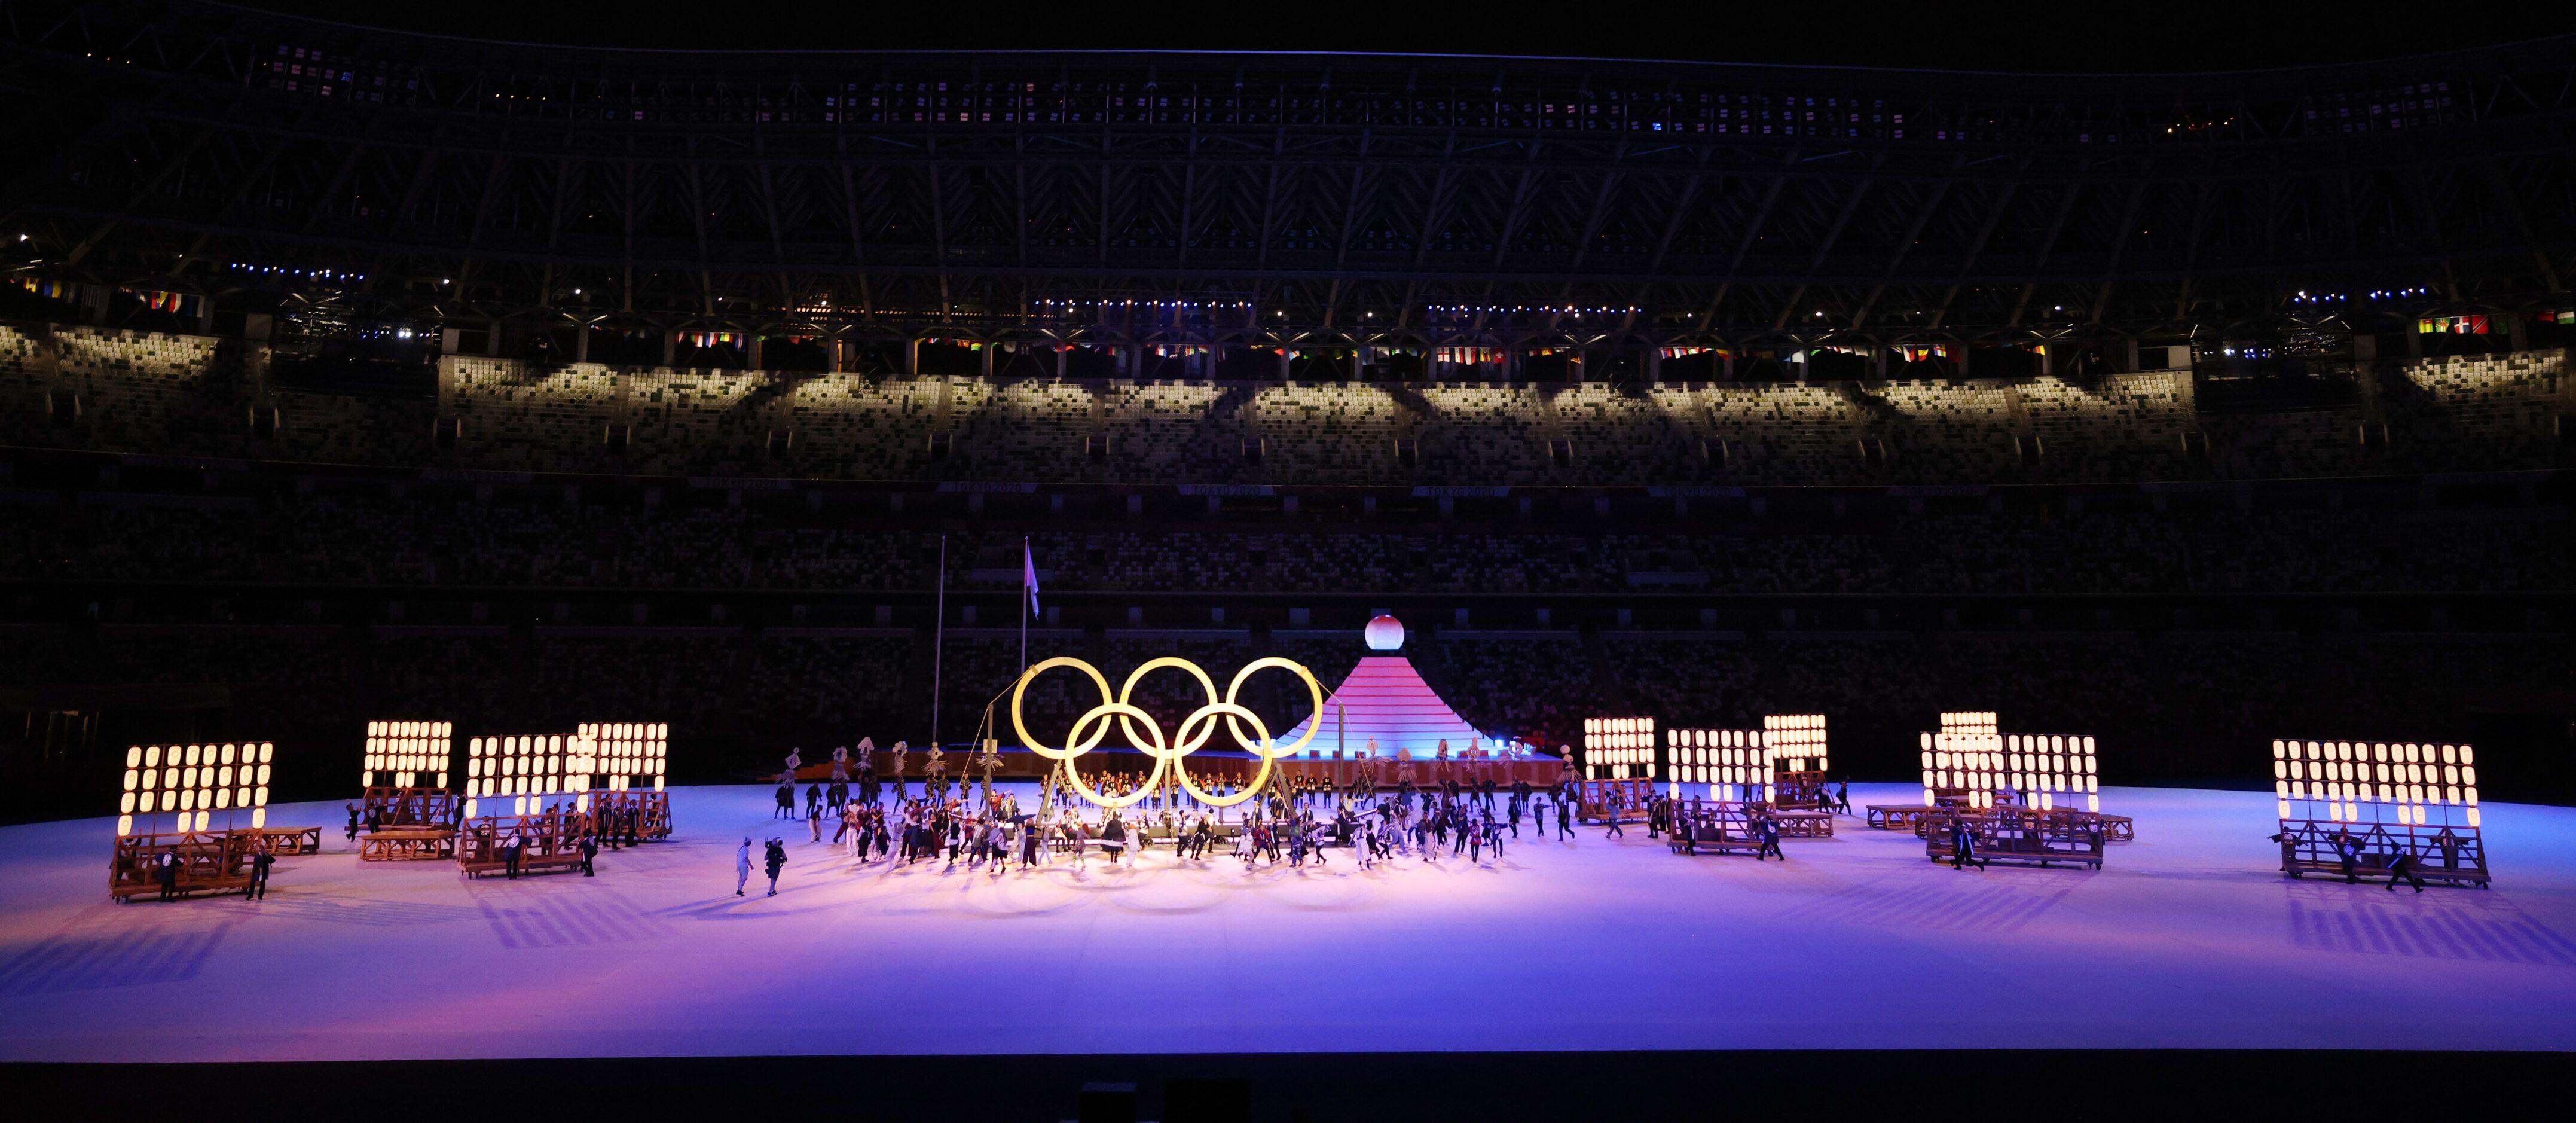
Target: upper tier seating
<point>141,393</point>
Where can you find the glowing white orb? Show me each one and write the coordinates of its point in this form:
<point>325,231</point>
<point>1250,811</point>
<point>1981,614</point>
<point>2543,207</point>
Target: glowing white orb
<point>1385,633</point>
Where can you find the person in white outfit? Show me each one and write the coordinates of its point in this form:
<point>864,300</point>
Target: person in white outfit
<point>742,867</point>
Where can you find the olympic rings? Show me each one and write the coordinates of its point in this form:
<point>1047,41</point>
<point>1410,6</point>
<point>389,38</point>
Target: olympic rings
<point>1194,732</point>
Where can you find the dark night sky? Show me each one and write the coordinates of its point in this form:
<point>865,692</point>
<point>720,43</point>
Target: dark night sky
<point>2071,36</point>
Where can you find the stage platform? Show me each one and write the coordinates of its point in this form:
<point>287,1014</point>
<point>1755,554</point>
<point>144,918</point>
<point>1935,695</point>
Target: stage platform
<point>2190,938</point>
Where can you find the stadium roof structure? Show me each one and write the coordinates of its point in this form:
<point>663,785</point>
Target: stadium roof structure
<point>1268,200</point>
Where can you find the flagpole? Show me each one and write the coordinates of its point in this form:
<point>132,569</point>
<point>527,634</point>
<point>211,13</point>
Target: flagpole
<point>938,638</point>
<point>1030,565</point>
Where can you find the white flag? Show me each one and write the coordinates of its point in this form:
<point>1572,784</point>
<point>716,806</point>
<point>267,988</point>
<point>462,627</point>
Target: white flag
<point>1029,575</point>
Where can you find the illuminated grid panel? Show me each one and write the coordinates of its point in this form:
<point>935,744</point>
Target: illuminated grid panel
<point>2045,767</point>
<point>525,770</point>
<point>1965,754</point>
<point>627,750</point>
<point>1733,762</point>
<point>1797,741</point>
<point>1625,746</point>
<point>2371,781</point>
<point>189,781</point>
<point>400,752</point>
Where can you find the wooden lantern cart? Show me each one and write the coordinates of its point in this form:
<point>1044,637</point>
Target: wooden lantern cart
<point>2013,836</point>
<point>1597,800</point>
<point>653,809</point>
<point>553,842</point>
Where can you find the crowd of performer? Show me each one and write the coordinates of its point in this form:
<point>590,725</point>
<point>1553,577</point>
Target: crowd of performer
<point>1293,822</point>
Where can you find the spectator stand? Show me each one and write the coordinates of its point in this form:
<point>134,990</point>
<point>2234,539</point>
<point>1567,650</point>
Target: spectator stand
<point>536,789</point>
<point>2411,799</point>
<point>191,784</point>
<point>407,820</point>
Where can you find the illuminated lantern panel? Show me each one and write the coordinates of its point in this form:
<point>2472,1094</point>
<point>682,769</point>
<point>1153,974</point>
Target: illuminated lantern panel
<point>1735,764</point>
<point>191,782</point>
<point>2052,771</point>
<point>408,754</point>
<point>629,751</point>
<point>1972,721</point>
<point>1971,756</point>
<point>1618,748</point>
<point>1965,756</point>
<point>524,770</point>
<point>2411,782</point>
<point>1799,740</point>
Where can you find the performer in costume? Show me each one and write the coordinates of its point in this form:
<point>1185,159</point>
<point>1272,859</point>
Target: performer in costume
<point>934,774</point>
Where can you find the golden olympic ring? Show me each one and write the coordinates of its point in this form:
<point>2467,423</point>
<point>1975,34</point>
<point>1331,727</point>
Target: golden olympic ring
<point>1195,731</point>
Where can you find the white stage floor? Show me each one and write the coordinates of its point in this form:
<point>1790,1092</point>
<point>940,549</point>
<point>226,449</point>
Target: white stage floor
<point>2189,938</point>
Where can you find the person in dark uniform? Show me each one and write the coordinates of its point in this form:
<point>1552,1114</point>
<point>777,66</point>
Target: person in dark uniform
<point>589,853</point>
<point>2403,867</point>
<point>1610,815</point>
<point>261,858</point>
<point>511,852</point>
<point>777,860</point>
<point>166,870</point>
<point>1842,796</point>
<point>2348,852</point>
<point>1770,829</point>
<point>353,822</point>
<point>1963,846</point>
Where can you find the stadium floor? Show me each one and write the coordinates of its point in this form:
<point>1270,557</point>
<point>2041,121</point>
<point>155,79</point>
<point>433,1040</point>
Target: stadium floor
<point>2188,939</point>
